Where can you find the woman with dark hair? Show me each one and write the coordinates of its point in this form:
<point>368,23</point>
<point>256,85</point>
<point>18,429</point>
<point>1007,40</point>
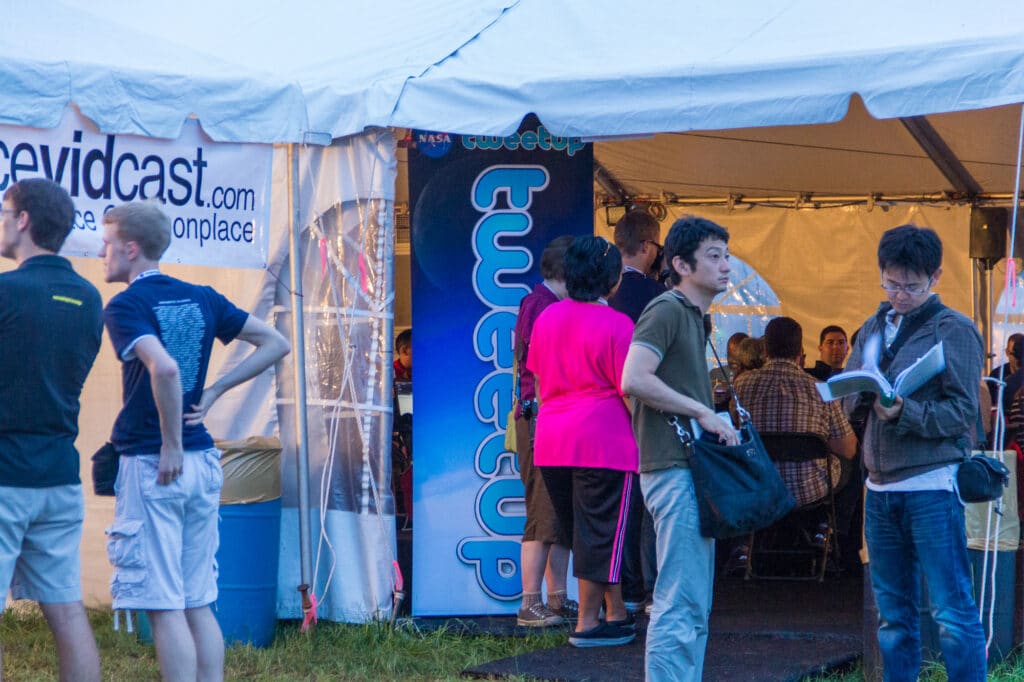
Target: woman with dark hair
<point>584,442</point>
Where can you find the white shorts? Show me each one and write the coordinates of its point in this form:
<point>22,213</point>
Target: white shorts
<point>164,538</point>
<point>40,531</point>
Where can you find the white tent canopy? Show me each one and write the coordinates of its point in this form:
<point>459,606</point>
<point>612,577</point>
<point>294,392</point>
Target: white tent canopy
<point>273,72</point>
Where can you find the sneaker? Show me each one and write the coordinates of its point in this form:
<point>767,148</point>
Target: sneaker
<point>569,609</point>
<point>538,616</point>
<point>605,634</point>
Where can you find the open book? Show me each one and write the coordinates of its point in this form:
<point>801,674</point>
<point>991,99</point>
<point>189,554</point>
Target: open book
<point>868,378</point>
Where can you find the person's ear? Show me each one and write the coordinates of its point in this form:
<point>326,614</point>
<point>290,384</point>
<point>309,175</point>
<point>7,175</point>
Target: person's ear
<point>935,275</point>
<point>132,250</point>
<point>680,266</point>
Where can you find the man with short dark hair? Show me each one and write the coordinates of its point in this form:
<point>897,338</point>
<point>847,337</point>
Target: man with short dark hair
<point>165,534</point>
<point>666,374</point>
<point>50,329</point>
<point>780,397</point>
<point>1012,364</point>
<point>914,520</point>
<point>637,237</point>
<point>1010,373</point>
<point>832,349</point>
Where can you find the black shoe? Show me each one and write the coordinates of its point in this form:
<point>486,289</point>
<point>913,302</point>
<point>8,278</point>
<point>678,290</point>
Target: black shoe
<point>605,634</point>
<point>627,623</point>
<point>737,562</point>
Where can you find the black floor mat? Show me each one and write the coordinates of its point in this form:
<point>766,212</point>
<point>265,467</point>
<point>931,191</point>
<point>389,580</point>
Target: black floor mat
<point>759,631</point>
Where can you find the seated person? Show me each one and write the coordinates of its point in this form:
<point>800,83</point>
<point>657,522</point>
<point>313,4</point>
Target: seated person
<point>833,348</point>
<point>720,377</point>
<point>750,355</point>
<point>781,397</point>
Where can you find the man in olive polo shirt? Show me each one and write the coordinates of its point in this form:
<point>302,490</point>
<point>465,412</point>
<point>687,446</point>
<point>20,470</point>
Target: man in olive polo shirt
<point>666,374</point>
<point>50,327</point>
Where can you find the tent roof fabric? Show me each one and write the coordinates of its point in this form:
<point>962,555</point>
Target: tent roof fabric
<point>281,72</point>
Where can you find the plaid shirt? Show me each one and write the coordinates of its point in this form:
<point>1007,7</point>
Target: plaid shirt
<point>781,396</point>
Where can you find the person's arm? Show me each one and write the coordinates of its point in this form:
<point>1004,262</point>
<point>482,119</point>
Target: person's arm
<point>639,379</point>
<point>842,442</point>
<point>845,447</point>
<point>166,382</point>
<point>955,411</point>
<point>270,346</point>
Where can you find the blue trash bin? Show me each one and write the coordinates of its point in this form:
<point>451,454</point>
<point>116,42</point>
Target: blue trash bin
<point>250,541</point>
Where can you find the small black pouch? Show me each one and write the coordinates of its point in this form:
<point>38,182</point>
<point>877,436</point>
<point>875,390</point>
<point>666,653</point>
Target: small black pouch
<point>981,479</point>
<point>104,470</point>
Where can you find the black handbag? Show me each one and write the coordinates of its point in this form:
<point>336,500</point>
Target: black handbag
<point>980,478</point>
<point>104,470</point>
<point>738,488</point>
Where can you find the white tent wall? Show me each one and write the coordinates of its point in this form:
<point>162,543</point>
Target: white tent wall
<point>345,199</point>
<point>822,263</point>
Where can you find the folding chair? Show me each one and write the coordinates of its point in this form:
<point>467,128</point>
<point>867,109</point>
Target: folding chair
<point>796,447</point>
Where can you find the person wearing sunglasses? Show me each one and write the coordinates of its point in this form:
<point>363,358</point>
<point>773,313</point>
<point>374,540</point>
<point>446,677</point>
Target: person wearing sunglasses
<point>637,237</point>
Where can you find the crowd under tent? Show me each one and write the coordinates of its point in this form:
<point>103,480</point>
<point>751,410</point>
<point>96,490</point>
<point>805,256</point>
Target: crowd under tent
<point>806,128</point>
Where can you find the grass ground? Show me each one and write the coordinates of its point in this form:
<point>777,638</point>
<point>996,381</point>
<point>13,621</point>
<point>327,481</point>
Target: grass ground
<point>332,651</point>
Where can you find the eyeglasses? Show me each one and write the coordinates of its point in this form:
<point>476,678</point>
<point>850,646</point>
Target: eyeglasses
<point>911,289</point>
<point>12,211</point>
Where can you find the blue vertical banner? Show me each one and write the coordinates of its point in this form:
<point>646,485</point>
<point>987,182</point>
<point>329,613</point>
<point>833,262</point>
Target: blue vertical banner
<point>483,208</point>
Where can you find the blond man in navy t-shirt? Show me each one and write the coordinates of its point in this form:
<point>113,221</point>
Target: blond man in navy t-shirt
<point>164,536</point>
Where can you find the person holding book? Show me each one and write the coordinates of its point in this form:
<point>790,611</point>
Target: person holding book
<point>914,520</point>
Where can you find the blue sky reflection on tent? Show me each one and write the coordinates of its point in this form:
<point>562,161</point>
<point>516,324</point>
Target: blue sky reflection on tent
<point>746,306</point>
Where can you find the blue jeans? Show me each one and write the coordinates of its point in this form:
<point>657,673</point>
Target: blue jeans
<point>678,633</point>
<point>909,533</point>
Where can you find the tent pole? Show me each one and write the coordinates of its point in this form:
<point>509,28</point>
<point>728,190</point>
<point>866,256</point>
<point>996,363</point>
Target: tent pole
<point>299,358</point>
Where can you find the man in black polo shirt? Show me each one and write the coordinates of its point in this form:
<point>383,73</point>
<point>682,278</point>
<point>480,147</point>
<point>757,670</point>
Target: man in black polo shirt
<point>50,328</point>
<point>638,237</point>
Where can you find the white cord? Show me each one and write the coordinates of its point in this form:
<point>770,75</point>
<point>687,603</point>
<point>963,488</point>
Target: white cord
<point>1000,422</point>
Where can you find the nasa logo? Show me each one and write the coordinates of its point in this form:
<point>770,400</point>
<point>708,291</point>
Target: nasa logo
<point>434,145</point>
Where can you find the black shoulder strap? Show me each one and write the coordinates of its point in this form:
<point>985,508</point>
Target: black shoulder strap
<point>907,329</point>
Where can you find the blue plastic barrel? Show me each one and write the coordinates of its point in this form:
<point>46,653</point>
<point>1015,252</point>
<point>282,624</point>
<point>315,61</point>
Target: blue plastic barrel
<point>250,537</point>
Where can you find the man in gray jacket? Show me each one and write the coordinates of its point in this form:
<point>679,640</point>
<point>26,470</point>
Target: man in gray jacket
<point>914,520</point>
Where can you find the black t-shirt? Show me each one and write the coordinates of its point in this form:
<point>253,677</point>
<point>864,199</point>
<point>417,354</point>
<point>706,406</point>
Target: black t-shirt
<point>50,330</point>
<point>635,292</point>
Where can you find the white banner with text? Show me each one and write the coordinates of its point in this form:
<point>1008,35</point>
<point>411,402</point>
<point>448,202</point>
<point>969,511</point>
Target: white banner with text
<point>217,195</point>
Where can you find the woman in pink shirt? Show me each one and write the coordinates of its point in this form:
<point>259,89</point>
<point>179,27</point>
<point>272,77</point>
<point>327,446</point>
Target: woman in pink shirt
<point>584,441</point>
